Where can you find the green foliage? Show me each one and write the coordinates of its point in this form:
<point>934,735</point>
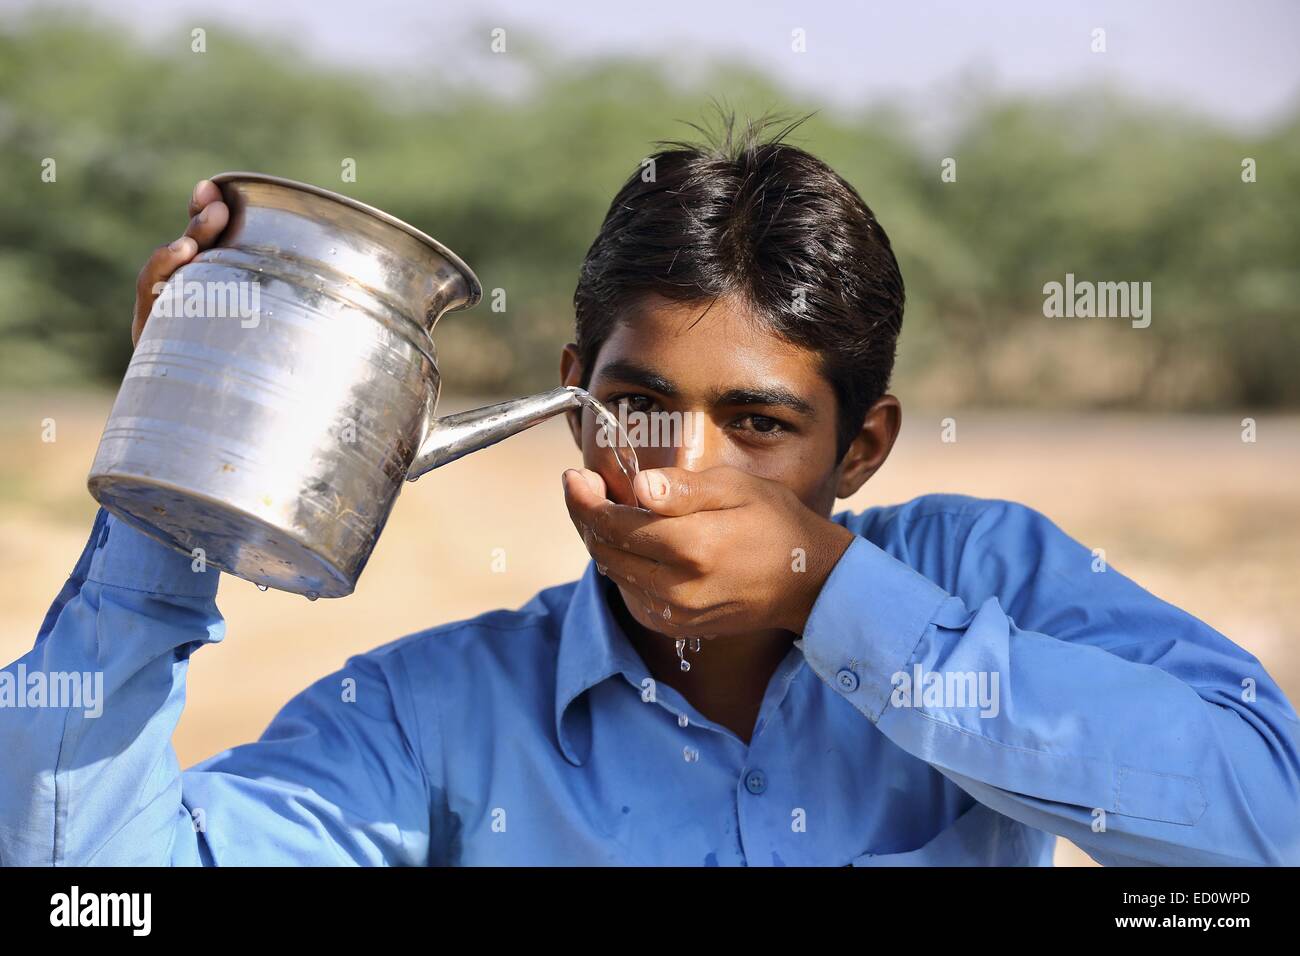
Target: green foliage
<point>518,185</point>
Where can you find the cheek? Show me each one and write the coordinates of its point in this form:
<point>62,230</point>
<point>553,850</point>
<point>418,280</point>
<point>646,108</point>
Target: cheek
<point>819,496</point>
<point>596,454</point>
<point>588,442</point>
<point>821,499</point>
<point>809,471</point>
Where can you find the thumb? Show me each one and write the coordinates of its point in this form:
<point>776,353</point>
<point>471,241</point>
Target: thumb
<point>676,491</point>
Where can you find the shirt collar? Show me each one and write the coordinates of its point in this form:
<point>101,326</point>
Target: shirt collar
<point>592,648</point>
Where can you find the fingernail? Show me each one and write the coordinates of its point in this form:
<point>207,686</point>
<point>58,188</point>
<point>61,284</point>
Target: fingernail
<point>177,244</point>
<point>203,215</point>
<point>564,479</point>
<point>657,484</point>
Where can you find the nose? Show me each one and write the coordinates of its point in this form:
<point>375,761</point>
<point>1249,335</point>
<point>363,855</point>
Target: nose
<point>689,440</point>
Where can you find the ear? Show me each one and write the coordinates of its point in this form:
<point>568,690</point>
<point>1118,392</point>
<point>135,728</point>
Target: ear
<point>871,447</point>
<point>571,374</point>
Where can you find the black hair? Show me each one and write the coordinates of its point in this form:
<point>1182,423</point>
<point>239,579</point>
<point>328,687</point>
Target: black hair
<point>746,214</point>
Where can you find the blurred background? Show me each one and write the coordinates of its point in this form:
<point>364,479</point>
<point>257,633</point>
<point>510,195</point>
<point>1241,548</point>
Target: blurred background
<point>1122,164</point>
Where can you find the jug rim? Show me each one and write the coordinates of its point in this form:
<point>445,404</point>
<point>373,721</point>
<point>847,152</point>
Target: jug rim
<point>475,287</point>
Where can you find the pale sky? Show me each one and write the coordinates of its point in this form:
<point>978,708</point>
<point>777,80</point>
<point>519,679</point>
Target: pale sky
<point>1237,61</point>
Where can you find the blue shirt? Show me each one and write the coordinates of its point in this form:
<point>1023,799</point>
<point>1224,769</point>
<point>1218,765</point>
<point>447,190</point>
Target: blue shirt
<point>971,682</point>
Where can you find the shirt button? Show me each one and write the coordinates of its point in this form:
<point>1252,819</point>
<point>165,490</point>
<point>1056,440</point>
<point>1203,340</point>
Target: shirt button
<point>755,782</point>
<point>847,680</point>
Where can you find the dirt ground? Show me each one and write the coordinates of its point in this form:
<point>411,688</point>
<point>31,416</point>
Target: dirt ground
<point>1182,505</point>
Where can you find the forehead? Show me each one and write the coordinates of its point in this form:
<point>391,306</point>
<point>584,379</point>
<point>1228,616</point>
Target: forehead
<point>695,344</point>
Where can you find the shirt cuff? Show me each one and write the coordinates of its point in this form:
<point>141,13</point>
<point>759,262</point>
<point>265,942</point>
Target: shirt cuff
<point>866,623</point>
<point>127,558</point>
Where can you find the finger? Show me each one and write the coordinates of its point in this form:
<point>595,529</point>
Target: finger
<point>595,481</point>
<point>656,586</point>
<point>653,613</point>
<point>583,496</point>
<point>652,619</point>
<point>630,529</point>
<point>157,270</point>
<point>165,260</point>
<point>208,223</point>
<point>589,508</point>
<point>633,569</point>
<point>208,217</point>
<point>205,192</point>
<point>677,491</point>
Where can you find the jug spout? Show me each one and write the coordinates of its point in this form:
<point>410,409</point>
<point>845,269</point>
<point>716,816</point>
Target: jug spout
<point>455,436</point>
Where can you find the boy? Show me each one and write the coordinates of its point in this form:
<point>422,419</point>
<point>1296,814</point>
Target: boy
<point>940,682</point>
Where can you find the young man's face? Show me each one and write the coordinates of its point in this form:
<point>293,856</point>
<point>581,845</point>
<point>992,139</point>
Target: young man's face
<point>743,397</point>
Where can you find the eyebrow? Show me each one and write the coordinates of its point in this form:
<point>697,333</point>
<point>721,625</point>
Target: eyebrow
<point>770,395</point>
<point>631,373</point>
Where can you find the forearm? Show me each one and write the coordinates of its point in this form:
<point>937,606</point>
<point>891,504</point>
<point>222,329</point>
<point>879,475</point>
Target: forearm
<point>1120,753</point>
<point>96,778</point>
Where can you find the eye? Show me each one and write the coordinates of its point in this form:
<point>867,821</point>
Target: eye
<point>761,425</point>
<point>633,401</point>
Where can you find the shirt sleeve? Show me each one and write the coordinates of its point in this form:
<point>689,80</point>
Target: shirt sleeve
<point>1059,693</point>
<point>95,781</point>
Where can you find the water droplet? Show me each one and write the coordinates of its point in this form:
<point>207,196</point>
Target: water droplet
<point>693,643</point>
<point>691,754</point>
<point>667,613</point>
<point>682,720</point>
<point>333,251</point>
<point>312,595</point>
<point>262,587</point>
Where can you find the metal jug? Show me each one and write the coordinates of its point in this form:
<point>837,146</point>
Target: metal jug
<point>285,387</point>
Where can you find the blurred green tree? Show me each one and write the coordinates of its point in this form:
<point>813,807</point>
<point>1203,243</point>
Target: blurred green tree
<point>1088,184</point>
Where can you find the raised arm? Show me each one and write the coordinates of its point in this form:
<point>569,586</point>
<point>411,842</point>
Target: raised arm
<point>95,781</point>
